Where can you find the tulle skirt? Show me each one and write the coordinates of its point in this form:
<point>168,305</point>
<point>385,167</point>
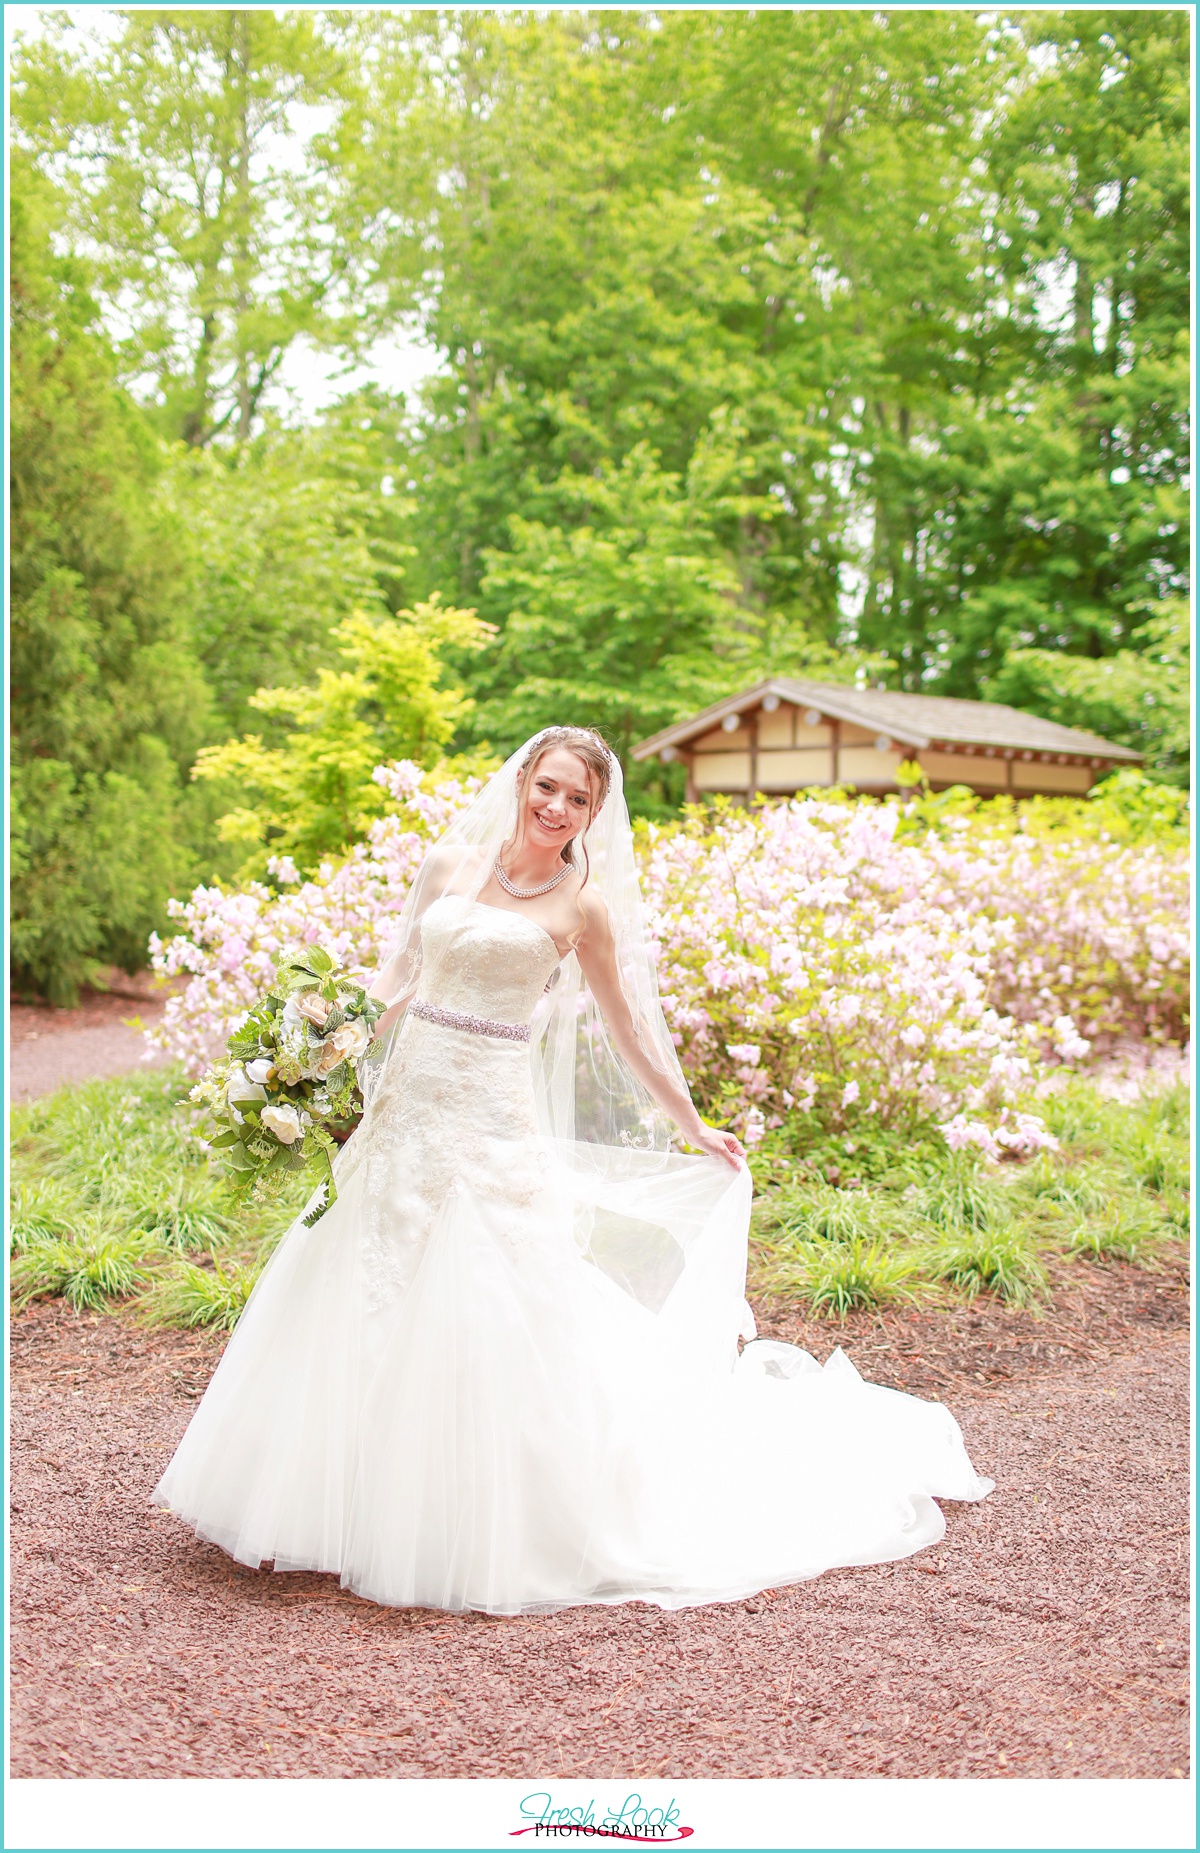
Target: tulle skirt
<point>533,1396</point>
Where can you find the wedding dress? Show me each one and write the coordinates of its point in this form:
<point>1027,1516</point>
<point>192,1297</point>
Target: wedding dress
<point>502,1372</point>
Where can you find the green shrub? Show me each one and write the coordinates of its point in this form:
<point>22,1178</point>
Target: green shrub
<point>109,703</point>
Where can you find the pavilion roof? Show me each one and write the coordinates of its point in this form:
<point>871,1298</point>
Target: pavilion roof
<point>910,720</point>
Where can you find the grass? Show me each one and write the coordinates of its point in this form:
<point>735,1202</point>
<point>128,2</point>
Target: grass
<point>841,1277</point>
<point>191,1296</point>
<point>962,1196</point>
<point>1118,1189</point>
<point>114,1201</point>
<point>1004,1263</point>
<point>94,1266</point>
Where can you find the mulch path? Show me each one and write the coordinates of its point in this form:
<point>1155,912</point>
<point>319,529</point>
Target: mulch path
<point>50,1048</point>
<point>1046,1636</point>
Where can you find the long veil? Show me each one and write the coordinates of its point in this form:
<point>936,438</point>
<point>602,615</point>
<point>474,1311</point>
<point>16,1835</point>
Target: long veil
<point>586,1092</point>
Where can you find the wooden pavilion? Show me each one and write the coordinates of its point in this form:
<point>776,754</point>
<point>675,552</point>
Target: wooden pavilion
<point>783,735</point>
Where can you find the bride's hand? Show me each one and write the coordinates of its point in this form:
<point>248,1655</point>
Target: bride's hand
<point>720,1145</point>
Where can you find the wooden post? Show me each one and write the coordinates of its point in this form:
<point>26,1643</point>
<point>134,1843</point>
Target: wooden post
<point>690,794</point>
<point>835,749</point>
<point>753,762</point>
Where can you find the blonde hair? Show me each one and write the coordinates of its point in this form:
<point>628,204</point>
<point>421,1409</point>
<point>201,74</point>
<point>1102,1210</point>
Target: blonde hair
<point>586,745</point>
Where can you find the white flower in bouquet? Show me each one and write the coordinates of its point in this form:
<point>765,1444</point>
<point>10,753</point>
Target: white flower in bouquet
<point>241,1085</point>
<point>291,1056</point>
<point>284,1122</point>
<point>352,1039</point>
<point>259,1071</point>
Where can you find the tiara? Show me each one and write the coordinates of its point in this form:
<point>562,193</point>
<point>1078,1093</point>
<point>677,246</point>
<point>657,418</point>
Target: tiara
<point>613,761</point>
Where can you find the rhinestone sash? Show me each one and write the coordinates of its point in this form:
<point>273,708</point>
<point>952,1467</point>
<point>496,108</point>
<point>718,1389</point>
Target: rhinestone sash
<point>475,1026</point>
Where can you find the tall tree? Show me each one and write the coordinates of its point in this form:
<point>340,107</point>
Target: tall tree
<point>633,236</point>
<point>827,247</point>
<point>286,537</point>
<point>1049,504</point>
<point>198,148</point>
<point>108,704</point>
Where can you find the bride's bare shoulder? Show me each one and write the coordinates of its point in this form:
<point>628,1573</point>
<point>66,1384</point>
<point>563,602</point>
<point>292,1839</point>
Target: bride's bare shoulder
<point>453,865</point>
<point>596,924</point>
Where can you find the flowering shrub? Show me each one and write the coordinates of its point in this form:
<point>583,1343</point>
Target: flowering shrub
<point>227,945</point>
<point>806,967</point>
<point>837,961</point>
<point>1100,933</point>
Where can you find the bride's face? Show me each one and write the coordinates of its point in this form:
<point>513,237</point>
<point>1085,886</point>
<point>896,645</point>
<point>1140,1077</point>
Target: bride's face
<point>556,799</point>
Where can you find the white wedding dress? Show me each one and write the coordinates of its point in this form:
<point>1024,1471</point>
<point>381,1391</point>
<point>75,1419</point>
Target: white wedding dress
<point>505,1376</point>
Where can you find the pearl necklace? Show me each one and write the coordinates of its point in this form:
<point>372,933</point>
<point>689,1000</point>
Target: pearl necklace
<point>527,894</point>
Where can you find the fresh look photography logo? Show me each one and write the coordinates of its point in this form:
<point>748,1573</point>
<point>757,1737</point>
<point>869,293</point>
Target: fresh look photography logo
<point>632,1819</point>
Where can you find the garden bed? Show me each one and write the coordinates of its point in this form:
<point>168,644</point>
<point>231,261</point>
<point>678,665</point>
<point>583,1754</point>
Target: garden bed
<point>116,1204</point>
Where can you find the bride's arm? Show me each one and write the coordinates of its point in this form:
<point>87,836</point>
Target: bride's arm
<point>598,960</point>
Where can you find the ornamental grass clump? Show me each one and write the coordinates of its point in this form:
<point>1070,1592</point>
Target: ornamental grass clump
<point>40,1210</point>
<point>843,1277</point>
<point>1086,1188</point>
<point>95,1266</point>
<point>1121,1232</point>
<point>181,1211</point>
<point>103,1218</point>
<point>961,1196</point>
<point>198,1296</point>
<point>816,1213</point>
<point>1000,1261</point>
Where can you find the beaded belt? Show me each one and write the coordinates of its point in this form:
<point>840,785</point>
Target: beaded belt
<point>475,1026</point>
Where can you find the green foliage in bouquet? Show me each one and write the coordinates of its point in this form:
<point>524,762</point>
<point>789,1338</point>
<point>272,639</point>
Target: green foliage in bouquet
<point>288,1092</point>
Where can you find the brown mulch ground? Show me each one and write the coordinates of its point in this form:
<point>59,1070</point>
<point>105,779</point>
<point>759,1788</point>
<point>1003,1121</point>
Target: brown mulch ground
<point>1047,1635</point>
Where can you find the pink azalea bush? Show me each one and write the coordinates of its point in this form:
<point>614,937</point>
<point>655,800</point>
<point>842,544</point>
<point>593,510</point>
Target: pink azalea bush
<point>819,958</point>
<point>1101,931</point>
<point>226,944</point>
<point>808,966</point>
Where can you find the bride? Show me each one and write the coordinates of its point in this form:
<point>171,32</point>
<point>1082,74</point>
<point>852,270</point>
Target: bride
<point>502,1372</point>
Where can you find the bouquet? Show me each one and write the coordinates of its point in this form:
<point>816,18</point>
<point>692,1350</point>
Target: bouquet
<point>288,1092</point>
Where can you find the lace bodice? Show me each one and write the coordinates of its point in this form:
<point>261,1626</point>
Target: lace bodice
<point>455,1108</point>
<point>485,961</point>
